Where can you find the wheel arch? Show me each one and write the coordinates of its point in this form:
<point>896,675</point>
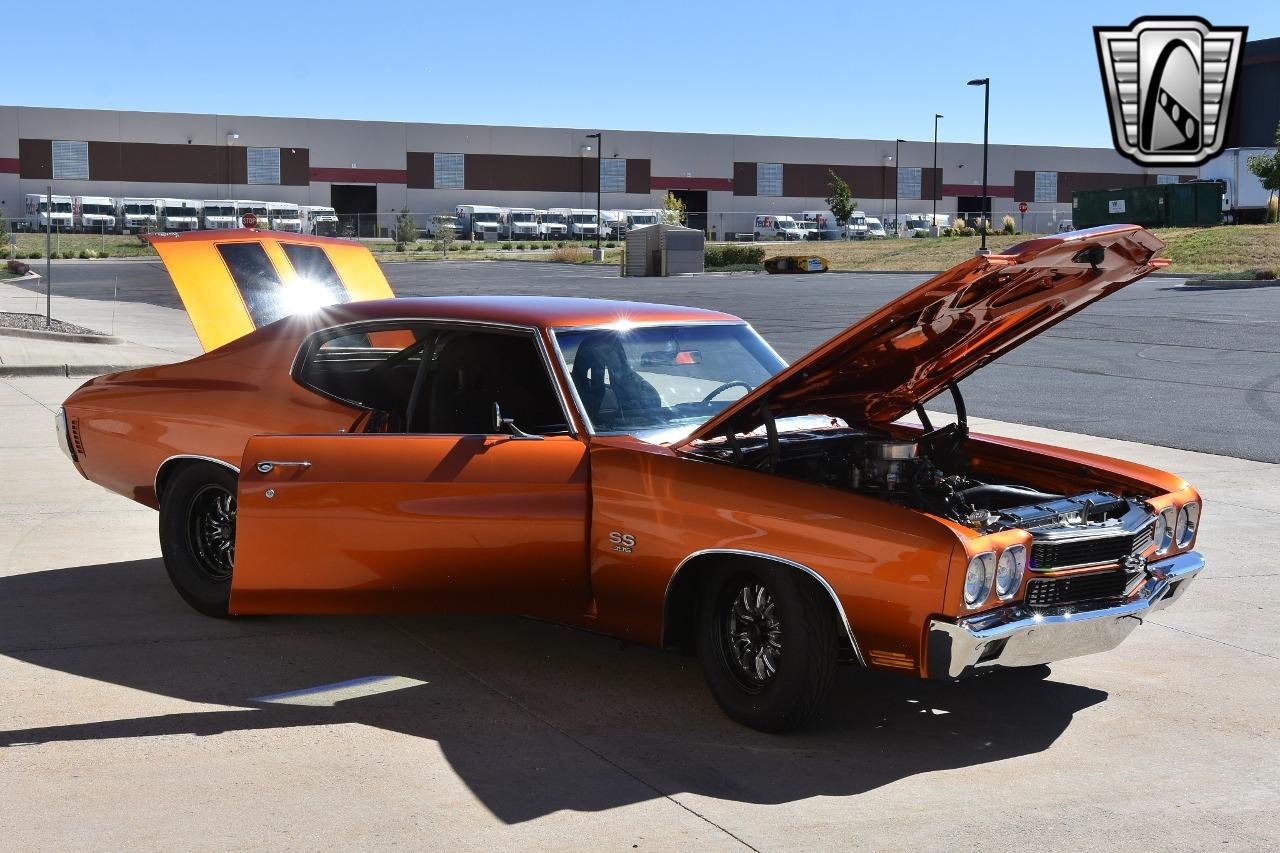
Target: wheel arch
<point>680,601</point>
<point>170,466</point>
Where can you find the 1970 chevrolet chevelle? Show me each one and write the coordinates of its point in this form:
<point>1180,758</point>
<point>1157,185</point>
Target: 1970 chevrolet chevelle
<point>651,472</point>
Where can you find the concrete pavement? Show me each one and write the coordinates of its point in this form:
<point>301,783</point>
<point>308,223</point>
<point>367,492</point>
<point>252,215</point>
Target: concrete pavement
<point>128,721</point>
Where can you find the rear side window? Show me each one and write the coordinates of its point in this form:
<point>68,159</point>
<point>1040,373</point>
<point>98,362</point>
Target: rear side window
<point>256,279</point>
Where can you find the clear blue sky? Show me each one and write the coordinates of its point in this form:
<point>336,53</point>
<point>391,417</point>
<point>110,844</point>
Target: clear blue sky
<point>846,69</point>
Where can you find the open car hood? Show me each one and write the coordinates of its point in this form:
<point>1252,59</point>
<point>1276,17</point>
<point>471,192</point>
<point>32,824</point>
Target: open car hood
<point>879,368</point>
<point>232,282</point>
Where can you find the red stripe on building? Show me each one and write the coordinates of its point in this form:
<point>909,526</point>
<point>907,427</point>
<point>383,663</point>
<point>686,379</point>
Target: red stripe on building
<point>975,190</point>
<point>9,166</point>
<point>359,176</point>
<point>678,183</point>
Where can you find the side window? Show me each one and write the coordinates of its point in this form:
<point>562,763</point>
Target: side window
<point>435,378</point>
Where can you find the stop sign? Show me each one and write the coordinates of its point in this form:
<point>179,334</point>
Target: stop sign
<point>1022,207</point>
<point>249,220</point>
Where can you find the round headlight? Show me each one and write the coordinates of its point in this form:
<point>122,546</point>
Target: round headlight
<point>1188,519</point>
<point>1009,570</point>
<point>1164,530</point>
<point>977,579</point>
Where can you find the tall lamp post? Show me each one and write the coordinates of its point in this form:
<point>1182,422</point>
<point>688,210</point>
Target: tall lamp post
<point>897,168</point>
<point>985,83</point>
<point>935,182</point>
<point>599,153</point>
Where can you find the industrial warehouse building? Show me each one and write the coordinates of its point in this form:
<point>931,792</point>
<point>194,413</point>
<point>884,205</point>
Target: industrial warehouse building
<point>362,167</point>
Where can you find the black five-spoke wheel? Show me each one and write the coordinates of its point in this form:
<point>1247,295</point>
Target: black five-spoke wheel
<point>198,534</point>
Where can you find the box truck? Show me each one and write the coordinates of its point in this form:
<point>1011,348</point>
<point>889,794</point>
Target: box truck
<point>95,214</point>
<point>39,215</point>
<point>319,220</point>
<point>178,214</point>
<point>137,214</point>
<point>218,214</point>
<point>284,216</point>
<point>1244,200</point>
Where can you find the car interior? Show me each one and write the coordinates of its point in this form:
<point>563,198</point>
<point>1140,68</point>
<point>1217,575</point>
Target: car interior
<point>436,379</point>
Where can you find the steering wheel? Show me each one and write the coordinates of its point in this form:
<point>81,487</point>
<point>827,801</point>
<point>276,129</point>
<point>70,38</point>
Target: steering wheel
<point>719,389</point>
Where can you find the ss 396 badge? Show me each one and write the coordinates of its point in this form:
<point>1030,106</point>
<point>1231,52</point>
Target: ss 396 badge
<point>623,542</point>
<point>1169,83</point>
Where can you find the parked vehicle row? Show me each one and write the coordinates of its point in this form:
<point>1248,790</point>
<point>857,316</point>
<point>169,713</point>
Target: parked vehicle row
<point>104,215</point>
<point>477,221</point>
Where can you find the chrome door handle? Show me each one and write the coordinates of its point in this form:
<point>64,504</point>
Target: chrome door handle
<point>266,465</point>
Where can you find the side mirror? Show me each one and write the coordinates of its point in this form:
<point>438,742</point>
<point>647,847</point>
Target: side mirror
<point>507,426</point>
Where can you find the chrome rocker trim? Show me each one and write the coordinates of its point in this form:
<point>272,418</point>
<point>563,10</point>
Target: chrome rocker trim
<point>1015,636</point>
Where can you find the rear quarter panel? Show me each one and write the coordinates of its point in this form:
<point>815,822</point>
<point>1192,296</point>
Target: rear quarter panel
<point>130,423</point>
<point>888,565</point>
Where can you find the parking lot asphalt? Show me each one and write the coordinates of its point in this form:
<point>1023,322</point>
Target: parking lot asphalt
<point>1191,367</point>
<point>127,721</point>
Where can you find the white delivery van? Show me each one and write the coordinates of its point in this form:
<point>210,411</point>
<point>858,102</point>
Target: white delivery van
<point>613,223</point>
<point>856,227</point>
<point>1245,199</point>
<point>137,214</point>
<point>319,220</point>
<point>772,226</point>
<point>39,215</point>
<point>824,224</point>
<point>875,229</point>
<point>642,218</point>
<point>440,221</point>
<point>476,220</point>
<point>218,214</point>
<point>522,223</point>
<point>95,214</point>
<point>554,224</point>
<point>582,223</point>
<point>257,208</point>
<point>178,214</point>
<point>910,223</point>
<point>285,216</point>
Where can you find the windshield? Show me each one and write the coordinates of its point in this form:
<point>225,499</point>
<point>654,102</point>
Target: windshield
<point>661,382</point>
<point>97,209</point>
<point>140,209</point>
<point>179,212</point>
<point>58,207</point>
<point>917,223</point>
<point>285,214</point>
<point>523,217</point>
<point>486,217</point>
<point>256,211</point>
<point>553,218</point>
<point>644,220</point>
<point>323,211</point>
<point>218,210</point>
<point>584,218</point>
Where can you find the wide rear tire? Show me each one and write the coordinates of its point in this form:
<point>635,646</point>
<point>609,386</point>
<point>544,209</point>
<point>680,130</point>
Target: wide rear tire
<point>767,643</point>
<point>197,535</point>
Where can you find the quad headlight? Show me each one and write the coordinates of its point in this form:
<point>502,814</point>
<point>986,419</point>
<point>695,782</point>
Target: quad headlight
<point>1188,520</point>
<point>1009,571</point>
<point>977,579</point>
<point>1163,532</point>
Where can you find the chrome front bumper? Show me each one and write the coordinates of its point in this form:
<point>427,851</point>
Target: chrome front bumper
<point>1015,636</point>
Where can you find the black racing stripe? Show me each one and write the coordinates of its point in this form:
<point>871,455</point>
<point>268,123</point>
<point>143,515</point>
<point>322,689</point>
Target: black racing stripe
<point>313,264</point>
<point>256,279</point>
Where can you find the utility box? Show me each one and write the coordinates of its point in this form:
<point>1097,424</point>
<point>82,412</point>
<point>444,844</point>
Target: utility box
<point>664,249</point>
<point>1195,203</point>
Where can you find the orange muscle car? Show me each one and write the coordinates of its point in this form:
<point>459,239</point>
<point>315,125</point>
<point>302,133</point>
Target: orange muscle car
<point>651,472</point>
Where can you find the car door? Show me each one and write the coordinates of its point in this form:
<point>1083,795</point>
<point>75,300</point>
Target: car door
<point>354,523</point>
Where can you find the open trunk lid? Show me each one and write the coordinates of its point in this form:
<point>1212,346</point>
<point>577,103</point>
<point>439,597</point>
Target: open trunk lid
<point>879,368</point>
<point>232,282</point>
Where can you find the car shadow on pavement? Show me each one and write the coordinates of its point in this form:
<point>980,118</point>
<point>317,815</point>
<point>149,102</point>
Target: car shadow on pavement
<point>533,717</point>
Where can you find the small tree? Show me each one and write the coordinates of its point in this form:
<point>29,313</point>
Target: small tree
<point>840,201</point>
<point>4,227</point>
<point>672,210</point>
<point>406,229</point>
<point>442,237</point>
<point>1266,167</point>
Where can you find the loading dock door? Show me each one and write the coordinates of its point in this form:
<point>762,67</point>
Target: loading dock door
<point>695,207</point>
<point>357,209</point>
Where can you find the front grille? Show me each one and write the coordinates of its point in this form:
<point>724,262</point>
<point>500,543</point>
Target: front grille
<point>1050,554</point>
<point>1052,592</point>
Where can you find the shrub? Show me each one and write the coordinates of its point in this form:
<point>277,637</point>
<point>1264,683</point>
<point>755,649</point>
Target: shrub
<point>4,253</point>
<point>464,247</point>
<point>35,254</point>
<point>104,253</point>
<point>1264,275</point>
<point>546,246</point>
<point>733,255</point>
<point>1007,224</point>
<point>84,254</point>
<point>67,255</point>
<point>505,247</point>
<point>572,255</point>
<point>611,245</point>
<point>560,245</point>
<point>920,234</point>
<point>399,247</point>
<point>18,267</point>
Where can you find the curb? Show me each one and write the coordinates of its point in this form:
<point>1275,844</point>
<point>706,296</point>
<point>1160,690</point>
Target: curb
<point>64,337</point>
<point>15,371</point>
<point>1230,283</point>
<point>31,276</point>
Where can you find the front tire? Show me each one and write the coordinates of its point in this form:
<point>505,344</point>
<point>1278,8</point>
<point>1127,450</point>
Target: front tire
<point>767,643</point>
<point>197,535</point>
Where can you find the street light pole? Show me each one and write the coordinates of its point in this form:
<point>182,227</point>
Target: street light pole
<point>599,153</point>
<point>897,170</point>
<point>935,182</point>
<point>985,83</point>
